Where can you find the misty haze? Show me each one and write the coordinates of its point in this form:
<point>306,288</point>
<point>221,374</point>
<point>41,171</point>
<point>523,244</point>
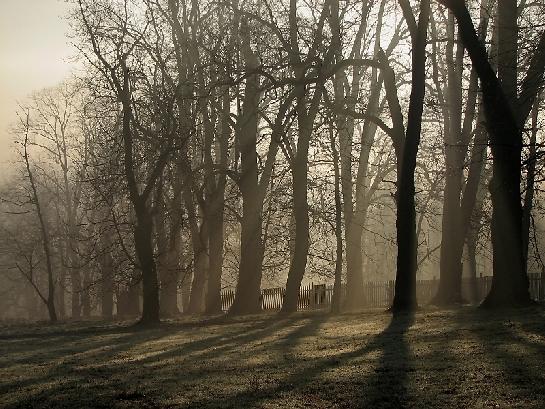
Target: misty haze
<point>272,204</point>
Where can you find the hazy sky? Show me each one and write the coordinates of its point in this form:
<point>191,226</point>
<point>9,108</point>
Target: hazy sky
<point>34,53</point>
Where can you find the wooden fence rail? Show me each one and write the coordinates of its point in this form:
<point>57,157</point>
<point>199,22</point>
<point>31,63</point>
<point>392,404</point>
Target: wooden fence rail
<point>379,293</point>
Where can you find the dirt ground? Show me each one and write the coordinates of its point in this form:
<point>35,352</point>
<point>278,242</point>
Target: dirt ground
<point>435,359</point>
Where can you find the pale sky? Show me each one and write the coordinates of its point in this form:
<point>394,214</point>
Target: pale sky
<point>34,53</point>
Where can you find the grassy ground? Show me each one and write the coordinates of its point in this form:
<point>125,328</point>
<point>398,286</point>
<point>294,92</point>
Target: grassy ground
<point>436,359</point>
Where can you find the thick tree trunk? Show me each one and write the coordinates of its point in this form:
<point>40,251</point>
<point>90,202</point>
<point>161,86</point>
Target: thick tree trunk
<point>405,285</point>
<point>248,290</point>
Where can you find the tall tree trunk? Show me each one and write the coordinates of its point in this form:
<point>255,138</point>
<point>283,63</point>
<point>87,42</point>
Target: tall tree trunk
<point>299,163</point>
<point>251,243</point>
<point>405,285</point>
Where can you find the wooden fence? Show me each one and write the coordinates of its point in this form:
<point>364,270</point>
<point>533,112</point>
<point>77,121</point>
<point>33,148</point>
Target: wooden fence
<point>379,294</point>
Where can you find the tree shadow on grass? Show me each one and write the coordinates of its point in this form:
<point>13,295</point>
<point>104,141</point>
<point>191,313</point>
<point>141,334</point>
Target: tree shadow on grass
<point>107,384</point>
<point>515,348</point>
<point>385,388</point>
<point>61,375</point>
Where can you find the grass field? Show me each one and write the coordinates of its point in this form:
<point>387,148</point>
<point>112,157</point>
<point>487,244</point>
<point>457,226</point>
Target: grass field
<point>436,359</point>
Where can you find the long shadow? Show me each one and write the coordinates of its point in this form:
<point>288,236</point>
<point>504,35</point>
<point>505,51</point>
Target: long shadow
<point>387,387</point>
<point>374,393</point>
<point>64,358</point>
<point>210,346</point>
